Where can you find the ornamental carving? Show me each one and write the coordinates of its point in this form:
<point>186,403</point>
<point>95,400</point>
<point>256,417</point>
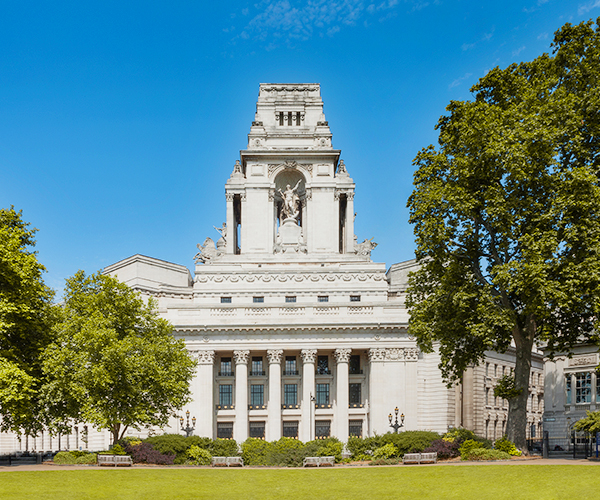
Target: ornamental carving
<point>288,88</point>
<point>395,354</point>
<point>229,196</point>
<point>275,355</point>
<point>411,354</point>
<point>583,360</point>
<point>209,252</point>
<point>377,354</point>
<point>342,355</point>
<point>308,355</point>
<point>204,357</point>
<point>291,165</point>
<point>241,357</point>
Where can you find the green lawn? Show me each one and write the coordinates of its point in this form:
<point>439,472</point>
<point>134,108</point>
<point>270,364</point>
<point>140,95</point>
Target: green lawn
<point>494,482</point>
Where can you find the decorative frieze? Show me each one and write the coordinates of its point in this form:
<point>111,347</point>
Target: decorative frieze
<point>394,354</point>
<point>308,355</point>
<point>241,357</point>
<point>342,355</point>
<point>377,354</point>
<point>275,355</point>
<point>299,277</point>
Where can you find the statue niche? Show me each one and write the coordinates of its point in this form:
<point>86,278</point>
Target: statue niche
<point>289,207</point>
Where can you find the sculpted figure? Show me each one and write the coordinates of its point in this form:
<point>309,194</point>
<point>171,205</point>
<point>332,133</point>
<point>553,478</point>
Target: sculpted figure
<point>365,247</point>
<point>208,251</point>
<point>290,201</point>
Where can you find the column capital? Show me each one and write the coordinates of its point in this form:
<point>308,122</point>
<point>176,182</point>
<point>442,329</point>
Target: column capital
<point>377,354</point>
<point>308,355</point>
<point>274,356</point>
<point>241,357</point>
<point>203,357</point>
<point>342,355</point>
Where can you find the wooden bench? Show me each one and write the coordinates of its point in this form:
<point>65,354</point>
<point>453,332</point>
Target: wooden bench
<point>227,462</point>
<point>318,462</point>
<point>115,460</point>
<point>420,458</point>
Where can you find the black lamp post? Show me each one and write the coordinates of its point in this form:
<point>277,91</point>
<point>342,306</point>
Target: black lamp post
<point>187,429</point>
<point>396,425</point>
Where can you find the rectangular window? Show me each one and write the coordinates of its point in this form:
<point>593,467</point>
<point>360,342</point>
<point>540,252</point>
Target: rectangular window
<point>290,394</point>
<point>323,298</point>
<point>583,387</point>
<point>322,394</point>
<point>323,365</point>
<point>257,366</point>
<point>225,300</point>
<point>354,395</point>
<point>298,118</point>
<point>225,430</point>
<point>355,428</point>
<point>290,429</point>
<point>289,118</point>
<point>281,118</point>
<point>322,429</point>
<point>354,367</point>
<point>291,368</point>
<point>568,387</point>
<point>257,395</point>
<point>226,370</point>
<point>258,300</point>
<point>290,298</point>
<point>257,430</point>
<point>354,298</point>
<point>226,394</point>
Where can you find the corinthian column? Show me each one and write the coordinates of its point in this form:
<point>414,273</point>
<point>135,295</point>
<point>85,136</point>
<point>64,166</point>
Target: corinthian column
<point>202,392</point>
<point>240,430</point>
<point>308,392</point>
<point>342,357</point>
<point>274,407</point>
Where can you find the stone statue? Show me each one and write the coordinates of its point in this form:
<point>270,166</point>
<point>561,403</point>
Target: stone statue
<point>290,201</point>
<point>221,243</point>
<point>364,248</point>
<point>208,252</point>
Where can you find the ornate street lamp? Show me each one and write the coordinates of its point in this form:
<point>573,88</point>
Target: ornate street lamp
<point>396,425</point>
<point>187,429</point>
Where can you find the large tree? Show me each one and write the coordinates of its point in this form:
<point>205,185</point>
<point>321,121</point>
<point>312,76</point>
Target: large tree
<point>25,325</point>
<point>115,363</point>
<point>506,213</point>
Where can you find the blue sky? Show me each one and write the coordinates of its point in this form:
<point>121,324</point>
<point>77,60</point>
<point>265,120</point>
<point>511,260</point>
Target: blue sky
<point>121,121</point>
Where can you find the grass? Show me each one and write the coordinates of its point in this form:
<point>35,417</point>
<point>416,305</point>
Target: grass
<point>497,482</point>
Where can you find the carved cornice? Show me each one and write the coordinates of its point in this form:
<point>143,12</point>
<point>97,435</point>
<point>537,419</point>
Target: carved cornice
<point>298,277</point>
<point>289,88</point>
<point>241,357</point>
<point>342,355</point>
<point>204,357</point>
<point>394,354</point>
<point>308,355</point>
<point>274,356</point>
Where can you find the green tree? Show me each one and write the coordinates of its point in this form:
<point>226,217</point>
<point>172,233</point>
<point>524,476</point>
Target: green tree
<point>590,423</point>
<point>506,213</point>
<point>26,314</point>
<point>114,363</point>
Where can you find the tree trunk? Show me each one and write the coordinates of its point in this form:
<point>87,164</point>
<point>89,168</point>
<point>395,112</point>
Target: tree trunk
<point>516,426</point>
<point>114,430</point>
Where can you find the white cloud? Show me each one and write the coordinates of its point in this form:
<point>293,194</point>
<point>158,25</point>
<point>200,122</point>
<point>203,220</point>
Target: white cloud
<point>586,7</point>
<point>485,38</point>
<point>542,36</point>
<point>458,81</point>
<point>518,51</point>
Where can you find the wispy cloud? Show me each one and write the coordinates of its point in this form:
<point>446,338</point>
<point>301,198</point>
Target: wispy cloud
<point>458,81</point>
<point>486,37</point>
<point>586,7</point>
<point>516,52</point>
<point>297,20</point>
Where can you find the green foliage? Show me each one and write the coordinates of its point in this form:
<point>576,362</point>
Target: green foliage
<point>88,458</point>
<point>64,458</point>
<point>386,451</point>
<point>26,317</point>
<point>254,451</point>
<point>590,423</point>
<point>506,388</point>
<point>198,456</point>
<point>286,452</point>
<point>331,448</point>
<point>384,461</point>
<point>114,363</point>
<point>117,449</point>
<point>506,212</point>
<point>468,446</point>
<point>459,434</point>
<point>503,444</point>
<point>410,441</point>
<point>485,454</point>
<point>223,448</point>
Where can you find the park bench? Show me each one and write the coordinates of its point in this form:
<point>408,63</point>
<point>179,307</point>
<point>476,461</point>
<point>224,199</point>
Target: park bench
<point>318,462</point>
<point>420,458</point>
<point>227,462</point>
<point>115,460</point>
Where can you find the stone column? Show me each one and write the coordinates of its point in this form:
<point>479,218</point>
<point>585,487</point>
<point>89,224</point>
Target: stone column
<point>274,406</point>
<point>308,394</point>
<point>240,430</point>
<point>342,357</point>
<point>202,406</point>
<point>377,392</point>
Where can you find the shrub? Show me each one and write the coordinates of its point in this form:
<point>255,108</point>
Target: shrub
<point>117,449</point>
<point>384,461</point>
<point>199,456</point>
<point>503,444</point>
<point>485,454</point>
<point>459,434</point>
<point>287,452</point>
<point>331,448</point>
<point>254,451</point>
<point>409,441</point>
<point>467,446</point>
<point>88,458</point>
<point>145,453</point>
<point>360,448</point>
<point>222,448</point>
<point>443,448</point>
<point>170,444</point>
<point>64,457</point>
<point>384,452</point>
